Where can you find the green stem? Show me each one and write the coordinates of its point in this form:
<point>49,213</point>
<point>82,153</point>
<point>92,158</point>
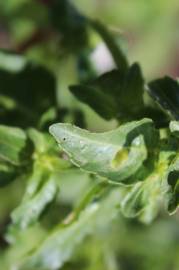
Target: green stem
<point>117,54</point>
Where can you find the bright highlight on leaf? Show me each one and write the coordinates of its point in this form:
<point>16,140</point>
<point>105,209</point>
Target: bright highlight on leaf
<point>100,153</point>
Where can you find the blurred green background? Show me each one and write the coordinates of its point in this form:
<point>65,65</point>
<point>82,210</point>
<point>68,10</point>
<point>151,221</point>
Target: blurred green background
<point>150,29</point>
<point>149,34</point>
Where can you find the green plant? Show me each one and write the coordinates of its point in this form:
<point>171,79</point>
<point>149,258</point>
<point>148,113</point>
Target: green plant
<point>66,194</point>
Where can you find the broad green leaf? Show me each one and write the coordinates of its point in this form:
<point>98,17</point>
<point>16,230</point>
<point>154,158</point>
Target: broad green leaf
<point>172,186</point>
<point>116,155</point>
<point>166,92</point>
<point>12,142</point>
<point>42,185</point>
<point>171,180</point>
<point>32,206</point>
<point>143,200</point>
<point>103,103</point>
<point>35,182</point>
<point>12,153</point>
<point>113,95</point>
<point>26,92</point>
<point>101,94</point>
<point>114,48</point>
<point>62,242</point>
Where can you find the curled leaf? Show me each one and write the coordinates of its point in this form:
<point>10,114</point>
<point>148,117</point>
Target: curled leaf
<point>100,153</point>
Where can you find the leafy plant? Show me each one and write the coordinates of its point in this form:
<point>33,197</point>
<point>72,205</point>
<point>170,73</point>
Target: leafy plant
<point>76,185</point>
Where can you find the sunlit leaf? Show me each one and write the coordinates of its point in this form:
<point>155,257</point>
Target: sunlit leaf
<point>116,154</point>
<point>12,147</point>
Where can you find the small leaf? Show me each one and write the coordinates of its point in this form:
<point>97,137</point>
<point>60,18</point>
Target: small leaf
<point>131,204</point>
<point>36,199</point>
<point>46,152</point>
<point>12,142</point>
<point>98,153</point>
<point>133,90</point>
<point>172,186</point>
<point>166,92</point>
<point>103,103</point>
<point>42,185</point>
<point>113,95</point>
<point>101,94</point>
<point>143,200</point>
<point>12,153</point>
<point>62,242</point>
<point>41,141</point>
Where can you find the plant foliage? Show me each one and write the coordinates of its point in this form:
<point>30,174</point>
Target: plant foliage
<point>73,183</point>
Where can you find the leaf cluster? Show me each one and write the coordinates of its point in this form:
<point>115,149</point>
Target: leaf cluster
<point>78,183</point>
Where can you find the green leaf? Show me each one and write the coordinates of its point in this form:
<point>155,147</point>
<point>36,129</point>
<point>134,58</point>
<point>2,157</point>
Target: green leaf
<point>115,50</point>
<point>25,93</point>
<point>59,246</point>
<point>172,186</point>
<point>12,148</point>
<point>102,103</point>
<point>143,200</point>
<point>171,181</point>
<point>131,204</point>
<point>132,91</point>
<point>174,128</point>
<point>12,142</point>
<point>116,155</point>
<point>62,242</point>
<point>46,152</point>
<point>113,95</point>
<point>40,192</point>
<point>166,92</point>
<point>41,141</point>
<point>42,186</point>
